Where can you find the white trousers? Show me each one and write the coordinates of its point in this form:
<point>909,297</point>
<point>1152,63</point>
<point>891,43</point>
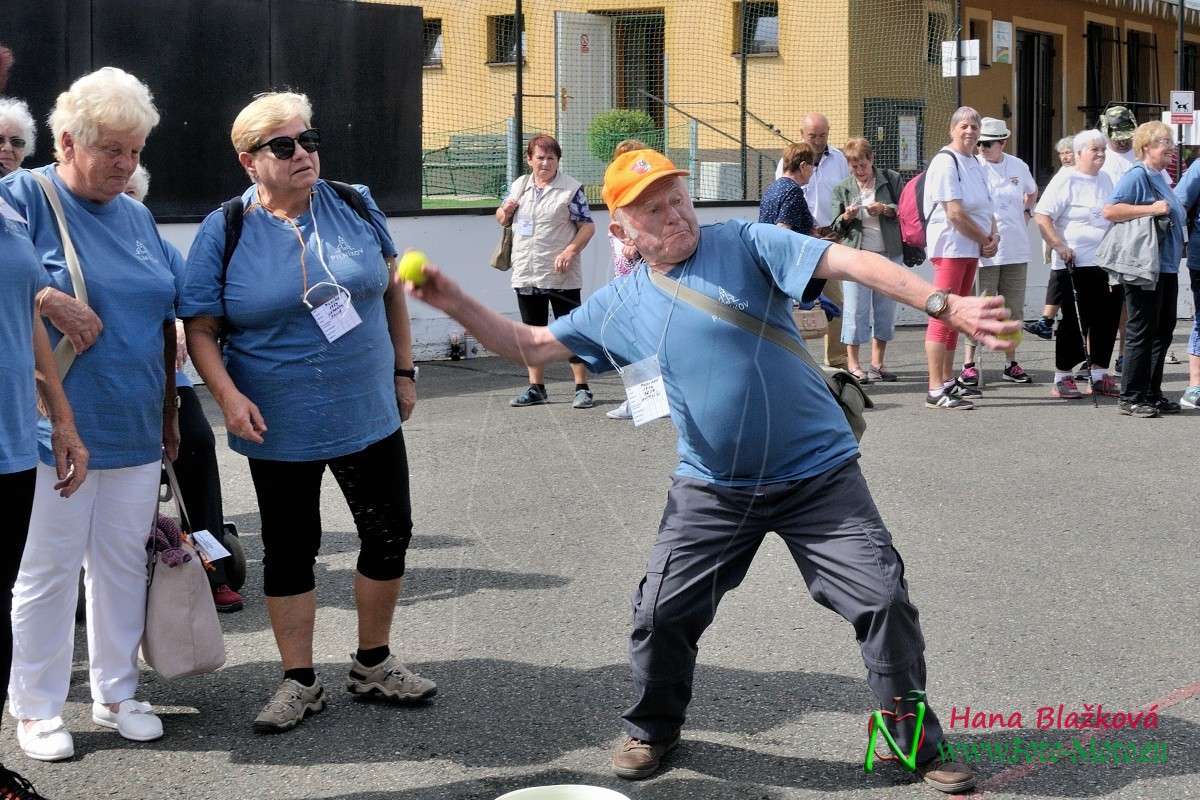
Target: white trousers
<point>103,527</point>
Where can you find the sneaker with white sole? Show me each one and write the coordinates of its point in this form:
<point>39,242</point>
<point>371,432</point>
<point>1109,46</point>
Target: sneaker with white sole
<point>1015,373</point>
<point>620,412</point>
<point>1066,389</point>
<point>583,399</point>
<point>45,739</point>
<point>389,680</point>
<point>133,719</point>
<point>291,703</point>
<point>948,402</point>
<point>1191,397</point>
<point>962,390</point>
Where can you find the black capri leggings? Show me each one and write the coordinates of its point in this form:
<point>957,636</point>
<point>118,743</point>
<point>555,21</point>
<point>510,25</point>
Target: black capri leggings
<point>1100,305</point>
<point>16,497</point>
<point>199,477</point>
<point>535,308</point>
<point>374,482</point>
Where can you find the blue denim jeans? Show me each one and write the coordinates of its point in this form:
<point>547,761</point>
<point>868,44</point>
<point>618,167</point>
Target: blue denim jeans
<point>1194,339</point>
<point>867,313</point>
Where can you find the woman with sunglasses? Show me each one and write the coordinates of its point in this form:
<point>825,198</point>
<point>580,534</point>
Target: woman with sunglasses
<point>1151,310</point>
<point>122,388</point>
<point>17,134</point>
<point>316,371</point>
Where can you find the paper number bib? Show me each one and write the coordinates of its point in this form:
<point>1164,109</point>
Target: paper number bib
<point>336,317</point>
<point>646,392</point>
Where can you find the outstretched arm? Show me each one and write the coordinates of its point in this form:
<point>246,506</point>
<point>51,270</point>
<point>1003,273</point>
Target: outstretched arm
<point>515,341</point>
<point>981,318</point>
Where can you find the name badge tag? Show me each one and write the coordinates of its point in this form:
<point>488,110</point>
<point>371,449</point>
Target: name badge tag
<point>336,317</point>
<point>208,546</point>
<point>524,226</point>
<point>646,392</point>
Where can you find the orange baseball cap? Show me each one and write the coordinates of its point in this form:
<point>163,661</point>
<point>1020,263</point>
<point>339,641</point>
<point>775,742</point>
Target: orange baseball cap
<point>630,173</point>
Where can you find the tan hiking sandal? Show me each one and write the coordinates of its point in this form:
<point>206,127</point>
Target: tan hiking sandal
<point>289,706</point>
<point>389,680</point>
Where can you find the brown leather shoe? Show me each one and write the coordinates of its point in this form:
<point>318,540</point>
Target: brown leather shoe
<point>634,759</point>
<point>947,776</point>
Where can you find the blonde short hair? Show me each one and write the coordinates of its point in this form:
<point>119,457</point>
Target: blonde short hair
<point>1148,132</point>
<point>107,98</point>
<point>139,183</point>
<point>265,113</point>
<point>858,148</point>
<point>16,112</point>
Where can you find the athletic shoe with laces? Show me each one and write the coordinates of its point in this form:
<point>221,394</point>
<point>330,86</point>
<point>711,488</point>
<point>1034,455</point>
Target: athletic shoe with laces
<point>1014,373</point>
<point>1041,328</point>
<point>620,412</point>
<point>1171,358</point>
<point>1106,387</point>
<point>533,396</point>
<point>969,375</point>
<point>1191,397</point>
<point>583,399</point>
<point>1166,406</point>
<point>948,402</point>
<point>389,680</point>
<point>1141,410</point>
<point>964,391</point>
<point>1066,389</point>
<point>291,703</point>
<point>15,787</point>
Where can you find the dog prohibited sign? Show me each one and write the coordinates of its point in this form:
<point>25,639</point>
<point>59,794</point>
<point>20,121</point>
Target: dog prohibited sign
<point>1182,106</point>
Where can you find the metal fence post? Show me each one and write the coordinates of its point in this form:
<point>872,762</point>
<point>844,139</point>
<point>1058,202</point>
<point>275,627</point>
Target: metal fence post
<point>511,156</point>
<point>693,156</point>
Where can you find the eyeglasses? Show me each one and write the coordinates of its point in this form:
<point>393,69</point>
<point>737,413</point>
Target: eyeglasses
<point>1165,142</point>
<point>16,141</point>
<point>284,147</point>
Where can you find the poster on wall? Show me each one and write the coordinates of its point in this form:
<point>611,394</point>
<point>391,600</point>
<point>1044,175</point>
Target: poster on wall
<point>906,135</point>
<point>1002,33</point>
<point>968,54</point>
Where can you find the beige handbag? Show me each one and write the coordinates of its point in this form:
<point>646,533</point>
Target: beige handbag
<point>183,635</point>
<point>64,351</point>
<point>502,255</point>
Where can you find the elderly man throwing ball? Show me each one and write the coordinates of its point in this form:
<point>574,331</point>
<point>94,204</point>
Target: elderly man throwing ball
<point>755,456</point>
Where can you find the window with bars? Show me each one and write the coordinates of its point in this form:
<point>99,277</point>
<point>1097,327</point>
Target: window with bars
<point>1103,69</point>
<point>759,27</point>
<point>1191,66</point>
<point>433,43</point>
<point>502,39</point>
<point>1141,75</point>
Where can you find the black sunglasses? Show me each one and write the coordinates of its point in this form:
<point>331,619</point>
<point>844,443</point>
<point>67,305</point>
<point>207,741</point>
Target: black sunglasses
<point>284,147</point>
<point>16,141</point>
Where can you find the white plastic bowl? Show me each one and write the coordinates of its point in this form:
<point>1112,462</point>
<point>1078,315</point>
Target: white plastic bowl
<point>564,792</point>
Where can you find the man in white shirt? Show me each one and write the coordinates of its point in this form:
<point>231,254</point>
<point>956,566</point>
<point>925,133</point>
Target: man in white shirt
<point>830,169</point>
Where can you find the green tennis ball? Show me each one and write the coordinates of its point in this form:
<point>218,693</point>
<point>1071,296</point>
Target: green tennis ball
<point>412,267</point>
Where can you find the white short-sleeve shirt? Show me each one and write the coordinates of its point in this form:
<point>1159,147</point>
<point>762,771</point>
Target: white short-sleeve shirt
<point>1009,180</point>
<point>968,184</point>
<point>1074,202</point>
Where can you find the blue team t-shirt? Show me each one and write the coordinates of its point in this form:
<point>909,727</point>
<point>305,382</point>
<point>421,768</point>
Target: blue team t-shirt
<point>783,201</point>
<point>21,278</point>
<point>1139,187</point>
<point>747,411</point>
<point>319,399</point>
<point>116,386</point>
<point>179,267</point>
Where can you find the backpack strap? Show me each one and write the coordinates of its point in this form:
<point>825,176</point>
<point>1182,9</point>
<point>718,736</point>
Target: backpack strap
<point>233,211</point>
<point>352,198</point>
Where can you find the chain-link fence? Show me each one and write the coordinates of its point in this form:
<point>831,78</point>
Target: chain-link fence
<point>721,86</point>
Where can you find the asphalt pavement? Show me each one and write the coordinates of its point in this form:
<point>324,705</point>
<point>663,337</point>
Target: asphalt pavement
<point>1050,546</point>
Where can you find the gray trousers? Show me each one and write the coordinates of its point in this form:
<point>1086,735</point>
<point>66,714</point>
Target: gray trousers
<point>708,537</point>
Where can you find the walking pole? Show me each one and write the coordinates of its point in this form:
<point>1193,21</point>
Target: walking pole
<point>979,348</point>
<point>1087,358</point>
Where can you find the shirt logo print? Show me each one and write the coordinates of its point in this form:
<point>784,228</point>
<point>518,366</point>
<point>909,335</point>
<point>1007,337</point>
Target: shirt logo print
<point>345,250</point>
<point>142,253</point>
<point>730,300</point>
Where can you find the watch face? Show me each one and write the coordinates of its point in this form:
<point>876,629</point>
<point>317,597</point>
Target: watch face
<point>936,303</point>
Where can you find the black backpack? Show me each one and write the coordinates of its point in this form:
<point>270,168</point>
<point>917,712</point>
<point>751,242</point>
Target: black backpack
<point>233,210</point>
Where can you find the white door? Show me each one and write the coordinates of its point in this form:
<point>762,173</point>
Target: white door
<point>583,87</point>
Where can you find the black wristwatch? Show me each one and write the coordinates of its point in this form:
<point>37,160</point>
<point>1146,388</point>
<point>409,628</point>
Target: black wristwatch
<point>411,374</point>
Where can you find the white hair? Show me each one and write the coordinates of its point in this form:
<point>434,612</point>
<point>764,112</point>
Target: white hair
<point>1065,143</point>
<point>15,112</point>
<point>964,113</point>
<point>1087,138</point>
<point>139,183</point>
<point>107,98</point>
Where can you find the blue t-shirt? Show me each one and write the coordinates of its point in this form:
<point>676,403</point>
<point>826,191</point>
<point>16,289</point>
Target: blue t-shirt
<point>116,386</point>
<point>179,267</point>
<point>783,201</point>
<point>21,277</point>
<point>747,411</point>
<point>319,399</point>
<point>1138,187</point>
<point>1188,193</point>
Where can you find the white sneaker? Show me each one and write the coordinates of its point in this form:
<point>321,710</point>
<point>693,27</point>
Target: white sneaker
<point>134,720</point>
<point>45,739</point>
<point>620,412</point>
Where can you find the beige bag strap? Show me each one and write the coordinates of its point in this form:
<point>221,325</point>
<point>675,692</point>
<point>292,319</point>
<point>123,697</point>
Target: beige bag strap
<point>173,482</point>
<point>64,353</point>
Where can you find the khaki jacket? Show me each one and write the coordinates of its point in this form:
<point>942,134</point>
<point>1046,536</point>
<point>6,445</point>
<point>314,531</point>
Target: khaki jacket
<point>550,216</point>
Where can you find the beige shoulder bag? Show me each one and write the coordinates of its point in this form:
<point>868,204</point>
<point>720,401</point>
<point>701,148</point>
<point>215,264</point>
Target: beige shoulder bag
<point>64,353</point>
